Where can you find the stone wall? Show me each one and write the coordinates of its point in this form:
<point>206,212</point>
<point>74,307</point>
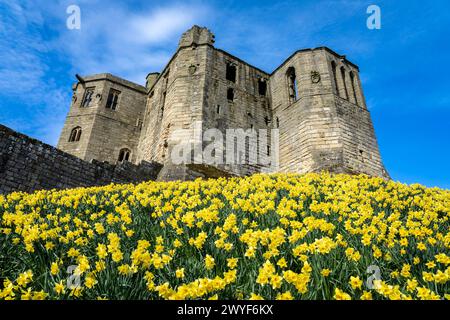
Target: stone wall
<point>27,164</point>
<point>174,105</point>
<point>248,110</point>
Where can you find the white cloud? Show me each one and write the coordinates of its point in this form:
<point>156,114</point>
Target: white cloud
<point>113,38</point>
<point>162,24</point>
<point>127,43</point>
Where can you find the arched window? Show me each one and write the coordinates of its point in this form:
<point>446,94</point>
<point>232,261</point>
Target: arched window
<point>124,155</point>
<point>334,70</point>
<point>87,97</point>
<point>292,84</point>
<point>75,134</point>
<point>344,81</point>
<point>113,99</point>
<point>352,80</point>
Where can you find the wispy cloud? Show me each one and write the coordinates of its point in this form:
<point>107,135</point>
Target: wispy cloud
<point>24,72</point>
<point>40,55</point>
<point>126,42</point>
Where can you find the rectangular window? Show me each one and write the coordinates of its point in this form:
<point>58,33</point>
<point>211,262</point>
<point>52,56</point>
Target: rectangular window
<point>139,124</point>
<point>230,94</point>
<point>163,103</point>
<point>87,97</point>
<point>113,99</point>
<point>262,87</point>
<point>231,72</point>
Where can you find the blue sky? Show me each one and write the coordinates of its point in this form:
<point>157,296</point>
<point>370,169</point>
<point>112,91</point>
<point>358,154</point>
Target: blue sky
<point>405,67</point>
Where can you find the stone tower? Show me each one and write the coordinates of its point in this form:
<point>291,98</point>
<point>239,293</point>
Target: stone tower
<point>105,119</point>
<point>175,102</point>
<point>313,102</point>
<point>319,106</point>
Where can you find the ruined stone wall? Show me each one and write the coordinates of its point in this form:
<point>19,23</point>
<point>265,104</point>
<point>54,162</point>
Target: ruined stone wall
<point>360,145</point>
<point>175,105</point>
<point>27,164</point>
<point>105,131</point>
<point>248,109</point>
<point>357,134</point>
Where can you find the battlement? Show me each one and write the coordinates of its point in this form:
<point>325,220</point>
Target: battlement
<point>196,36</point>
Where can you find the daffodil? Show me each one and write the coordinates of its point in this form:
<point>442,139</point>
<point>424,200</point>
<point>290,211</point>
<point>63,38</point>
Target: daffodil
<point>341,295</point>
<point>60,288</point>
<point>355,282</point>
<point>209,262</point>
<point>325,272</point>
<point>180,273</point>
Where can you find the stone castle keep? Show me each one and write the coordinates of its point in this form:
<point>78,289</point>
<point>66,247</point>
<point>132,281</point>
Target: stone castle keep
<point>314,99</point>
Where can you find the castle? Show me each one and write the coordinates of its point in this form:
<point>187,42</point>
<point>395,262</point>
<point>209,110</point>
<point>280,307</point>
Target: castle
<point>313,101</point>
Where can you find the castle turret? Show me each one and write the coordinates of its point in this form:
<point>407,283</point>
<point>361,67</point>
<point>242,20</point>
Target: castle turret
<point>175,102</point>
<point>319,107</point>
<point>196,36</point>
<point>104,120</point>
<point>151,79</point>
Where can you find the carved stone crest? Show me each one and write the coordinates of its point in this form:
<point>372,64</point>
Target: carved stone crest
<point>192,69</point>
<point>315,77</point>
